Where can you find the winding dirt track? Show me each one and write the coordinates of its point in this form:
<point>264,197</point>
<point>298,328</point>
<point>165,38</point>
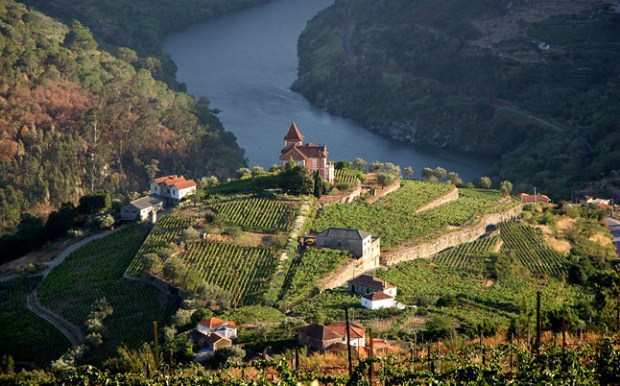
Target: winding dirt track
<point>69,330</point>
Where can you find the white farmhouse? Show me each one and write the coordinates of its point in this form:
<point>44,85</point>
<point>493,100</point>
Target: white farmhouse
<point>173,188</point>
<point>377,300</point>
<point>140,209</point>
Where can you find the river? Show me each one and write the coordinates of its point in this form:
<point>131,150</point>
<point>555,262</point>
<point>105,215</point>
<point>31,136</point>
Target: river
<point>245,63</point>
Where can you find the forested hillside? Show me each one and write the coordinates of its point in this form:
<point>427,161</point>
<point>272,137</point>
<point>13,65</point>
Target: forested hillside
<point>139,24</point>
<point>535,82</point>
<point>74,118</point>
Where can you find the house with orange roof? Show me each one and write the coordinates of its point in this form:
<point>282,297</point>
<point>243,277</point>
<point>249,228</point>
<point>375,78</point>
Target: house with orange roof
<point>322,337</point>
<point>533,198</point>
<point>225,328</point>
<point>173,188</point>
<point>310,155</point>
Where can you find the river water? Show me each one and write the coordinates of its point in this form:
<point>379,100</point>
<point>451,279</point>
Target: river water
<point>245,64</point>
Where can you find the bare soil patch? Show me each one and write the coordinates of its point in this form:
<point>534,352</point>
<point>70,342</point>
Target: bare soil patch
<point>563,226</point>
<point>562,246</point>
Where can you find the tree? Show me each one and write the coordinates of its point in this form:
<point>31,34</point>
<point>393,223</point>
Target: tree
<point>297,180</point>
<point>484,182</point>
<point>392,169</point>
<point>384,179</point>
<point>408,171</point>
<point>95,202</point>
<point>174,269</point>
<point>101,221</point>
<point>258,170</point>
<point>506,187</point>
<point>341,165</point>
<point>376,166</point>
<point>427,173</point>
<point>60,221</point>
<point>359,164</point>
<point>455,179</point>
<point>439,326</point>
<point>189,234</point>
<point>151,262</point>
<point>208,182</point>
<point>440,173</point>
<point>152,169</point>
<point>244,173</point>
<point>318,185</point>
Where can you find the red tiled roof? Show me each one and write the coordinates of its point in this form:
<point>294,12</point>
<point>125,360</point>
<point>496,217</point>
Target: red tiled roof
<point>336,330</point>
<point>165,178</point>
<point>300,152</point>
<point>214,322</point>
<point>185,184</point>
<point>356,330</point>
<point>528,198</point>
<point>293,134</point>
<point>215,337</point>
<point>371,282</point>
<point>174,181</point>
<point>375,296</point>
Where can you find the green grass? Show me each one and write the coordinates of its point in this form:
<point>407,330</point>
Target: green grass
<point>96,271</point>
<point>24,335</point>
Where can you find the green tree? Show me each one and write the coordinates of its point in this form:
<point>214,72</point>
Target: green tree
<point>152,169</point>
<point>484,182</point>
<point>318,185</point>
<point>95,202</point>
<point>427,173</point>
<point>408,171</point>
<point>384,179</point>
<point>455,179</point>
<point>440,173</point>
<point>359,164</point>
<point>506,187</point>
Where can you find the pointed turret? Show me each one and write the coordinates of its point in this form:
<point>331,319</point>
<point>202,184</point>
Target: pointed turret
<point>293,137</point>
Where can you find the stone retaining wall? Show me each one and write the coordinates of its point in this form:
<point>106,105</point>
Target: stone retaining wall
<point>451,196</point>
<point>449,240</point>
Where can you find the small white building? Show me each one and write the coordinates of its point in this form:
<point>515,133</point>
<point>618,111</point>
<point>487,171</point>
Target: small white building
<point>141,209</point>
<point>377,301</point>
<point>224,328</point>
<point>173,188</point>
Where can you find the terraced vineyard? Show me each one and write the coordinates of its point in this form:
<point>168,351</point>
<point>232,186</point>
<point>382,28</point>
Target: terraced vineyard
<point>96,271</point>
<point>348,177</point>
<point>464,255</point>
<point>303,274</point>
<point>530,249</point>
<point>167,230</point>
<point>24,335</point>
<point>244,271</point>
<point>259,214</point>
<point>393,217</point>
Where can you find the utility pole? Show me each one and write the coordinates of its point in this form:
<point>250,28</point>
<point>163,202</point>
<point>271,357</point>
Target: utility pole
<point>538,322</point>
<point>346,316</point>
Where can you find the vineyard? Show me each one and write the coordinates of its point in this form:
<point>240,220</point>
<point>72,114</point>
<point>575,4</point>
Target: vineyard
<point>23,334</point>
<point>96,271</point>
<point>529,247</point>
<point>303,274</point>
<point>424,282</point>
<point>167,230</point>
<point>244,271</point>
<point>393,217</point>
<point>258,214</point>
<point>463,256</point>
<point>347,177</point>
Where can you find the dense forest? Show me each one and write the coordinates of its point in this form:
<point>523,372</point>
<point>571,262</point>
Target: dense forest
<point>76,119</point>
<point>533,83</point>
<point>139,24</point>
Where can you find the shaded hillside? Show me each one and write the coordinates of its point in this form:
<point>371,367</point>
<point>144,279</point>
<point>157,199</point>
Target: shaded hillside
<point>74,118</point>
<point>139,24</point>
<point>471,75</point>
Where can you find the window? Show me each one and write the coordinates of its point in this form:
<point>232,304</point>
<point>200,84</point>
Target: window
<point>314,163</point>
